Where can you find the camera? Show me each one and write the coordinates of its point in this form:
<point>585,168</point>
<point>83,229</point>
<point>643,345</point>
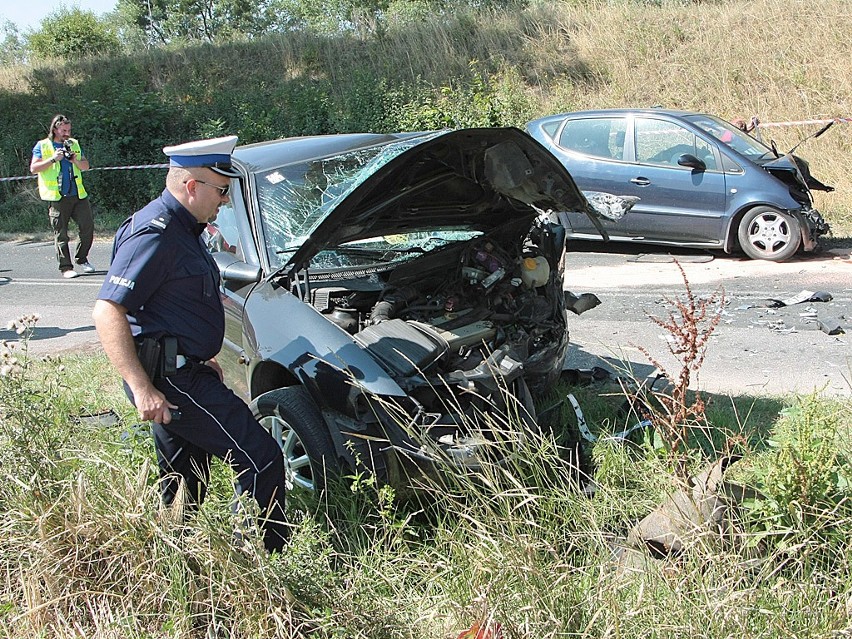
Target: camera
<point>67,151</point>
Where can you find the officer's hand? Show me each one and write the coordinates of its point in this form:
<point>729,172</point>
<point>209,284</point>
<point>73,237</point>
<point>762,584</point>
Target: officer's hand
<point>153,406</point>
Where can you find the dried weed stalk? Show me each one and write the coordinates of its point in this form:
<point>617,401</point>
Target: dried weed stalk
<point>689,325</point>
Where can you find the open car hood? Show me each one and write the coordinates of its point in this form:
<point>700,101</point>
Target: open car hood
<point>470,179</point>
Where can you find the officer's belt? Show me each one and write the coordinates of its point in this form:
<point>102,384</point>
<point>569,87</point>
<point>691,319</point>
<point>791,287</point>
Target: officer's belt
<point>183,360</point>
<point>159,357</point>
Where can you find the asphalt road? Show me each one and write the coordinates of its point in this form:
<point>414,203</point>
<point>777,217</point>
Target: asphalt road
<point>755,349</point>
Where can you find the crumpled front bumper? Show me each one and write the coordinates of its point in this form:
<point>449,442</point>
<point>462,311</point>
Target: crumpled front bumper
<point>813,227</point>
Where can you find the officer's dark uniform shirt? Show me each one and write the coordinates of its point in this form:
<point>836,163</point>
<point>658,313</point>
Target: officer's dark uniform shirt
<point>164,276</point>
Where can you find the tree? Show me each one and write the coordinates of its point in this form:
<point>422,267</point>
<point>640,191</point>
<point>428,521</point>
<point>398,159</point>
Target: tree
<point>12,46</point>
<point>167,21</point>
<point>72,34</point>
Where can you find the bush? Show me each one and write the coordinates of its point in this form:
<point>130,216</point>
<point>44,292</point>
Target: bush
<point>805,477</point>
<point>71,33</point>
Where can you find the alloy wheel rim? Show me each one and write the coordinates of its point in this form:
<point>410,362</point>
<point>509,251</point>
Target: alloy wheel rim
<point>297,465</point>
<point>769,234</point>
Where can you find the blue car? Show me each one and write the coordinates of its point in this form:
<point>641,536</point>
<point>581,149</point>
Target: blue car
<point>700,181</point>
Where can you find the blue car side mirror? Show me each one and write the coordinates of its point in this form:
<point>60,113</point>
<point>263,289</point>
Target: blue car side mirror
<point>687,159</point>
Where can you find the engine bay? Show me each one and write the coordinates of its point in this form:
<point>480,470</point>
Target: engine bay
<point>461,313</point>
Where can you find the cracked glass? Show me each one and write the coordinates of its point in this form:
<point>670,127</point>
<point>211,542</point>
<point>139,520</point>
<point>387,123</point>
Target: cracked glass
<point>295,199</point>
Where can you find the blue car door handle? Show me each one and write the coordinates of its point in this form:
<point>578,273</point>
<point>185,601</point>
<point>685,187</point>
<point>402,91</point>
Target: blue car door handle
<point>640,181</point>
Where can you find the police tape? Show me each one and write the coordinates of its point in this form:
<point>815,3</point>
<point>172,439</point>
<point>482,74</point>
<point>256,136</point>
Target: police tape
<point>803,122</point>
<point>97,168</point>
<point>757,124</point>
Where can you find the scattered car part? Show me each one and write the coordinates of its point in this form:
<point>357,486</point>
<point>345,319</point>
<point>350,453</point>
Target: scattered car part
<point>579,304</point>
<point>803,296</point>
<point>587,434</point>
<point>690,512</point>
<point>831,326</point>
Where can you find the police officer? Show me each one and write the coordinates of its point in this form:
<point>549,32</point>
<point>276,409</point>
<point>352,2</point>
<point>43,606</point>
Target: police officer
<point>160,302</point>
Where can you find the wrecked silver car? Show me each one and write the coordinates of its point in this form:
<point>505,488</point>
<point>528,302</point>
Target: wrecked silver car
<point>387,297</point>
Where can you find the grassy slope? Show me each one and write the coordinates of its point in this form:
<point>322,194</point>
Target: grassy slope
<point>778,60</point>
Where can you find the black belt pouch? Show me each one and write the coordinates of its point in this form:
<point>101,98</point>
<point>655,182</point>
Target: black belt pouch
<point>148,351</point>
<point>168,354</point>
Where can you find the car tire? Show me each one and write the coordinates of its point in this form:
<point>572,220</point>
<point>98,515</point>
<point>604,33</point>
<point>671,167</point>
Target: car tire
<point>295,422</point>
<point>766,233</point>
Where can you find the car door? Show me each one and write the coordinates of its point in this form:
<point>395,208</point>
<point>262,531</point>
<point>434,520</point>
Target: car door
<point>593,151</point>
<point>677,203</point>
<point>229,240</point>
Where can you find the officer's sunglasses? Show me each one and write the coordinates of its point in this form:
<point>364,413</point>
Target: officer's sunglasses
<point>223,190</point>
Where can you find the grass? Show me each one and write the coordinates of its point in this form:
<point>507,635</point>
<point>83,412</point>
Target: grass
<point>780,60</point>
<point>86,550</point>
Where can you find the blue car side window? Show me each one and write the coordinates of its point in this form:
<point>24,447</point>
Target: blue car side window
<point>662,142</point>
<point>598,137</point>
<point>704,151</point>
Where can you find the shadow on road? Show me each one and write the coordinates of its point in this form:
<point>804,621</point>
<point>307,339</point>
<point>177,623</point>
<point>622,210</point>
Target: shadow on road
<point>581,359</point>
<point>44,332</point>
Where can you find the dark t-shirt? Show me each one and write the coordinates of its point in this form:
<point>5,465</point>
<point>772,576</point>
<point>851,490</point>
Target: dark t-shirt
<point>164,276</point>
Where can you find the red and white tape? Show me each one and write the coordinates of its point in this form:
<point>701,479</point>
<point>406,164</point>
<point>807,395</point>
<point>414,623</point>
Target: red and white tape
<point>97,168</point>
<point>804,122</point>
<point>758,124</point>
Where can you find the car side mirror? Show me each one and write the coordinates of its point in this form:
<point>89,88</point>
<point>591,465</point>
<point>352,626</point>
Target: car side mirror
<point>233,269</point>
<point>687,159</point>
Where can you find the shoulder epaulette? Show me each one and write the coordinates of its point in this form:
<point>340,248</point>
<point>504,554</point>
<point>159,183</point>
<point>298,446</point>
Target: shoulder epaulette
<point>160,222</point>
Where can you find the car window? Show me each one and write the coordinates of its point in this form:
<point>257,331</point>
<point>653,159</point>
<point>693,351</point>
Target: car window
<point>598,137</point>
<point>663,142</point>
<point>223,234</point>
<point>550,128</point>
<point>385,249</point>
<point>704,151</point>
<point>294,199</point>
<point>732,136</point>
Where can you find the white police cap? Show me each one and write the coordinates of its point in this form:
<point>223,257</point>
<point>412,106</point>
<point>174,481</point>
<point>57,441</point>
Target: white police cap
<point>214,154</point>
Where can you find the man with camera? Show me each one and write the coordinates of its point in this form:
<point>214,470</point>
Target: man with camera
<point>58,161</point>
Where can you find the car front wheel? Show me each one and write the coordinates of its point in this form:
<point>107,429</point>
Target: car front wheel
<point>293,420</point>
<point>769,234</point>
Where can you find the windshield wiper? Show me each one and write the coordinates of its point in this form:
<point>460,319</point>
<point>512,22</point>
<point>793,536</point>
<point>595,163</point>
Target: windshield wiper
<point>362,250</point>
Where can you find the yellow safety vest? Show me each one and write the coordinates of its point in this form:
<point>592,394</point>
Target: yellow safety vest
<point>48,180</point>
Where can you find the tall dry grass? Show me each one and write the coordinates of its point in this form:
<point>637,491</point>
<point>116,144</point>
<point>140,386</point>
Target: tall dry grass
<point>85,550</point>
<point>779,60</point>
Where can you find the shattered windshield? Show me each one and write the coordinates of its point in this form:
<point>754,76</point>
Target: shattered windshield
<point>295,199</point>
<point>735,138</point>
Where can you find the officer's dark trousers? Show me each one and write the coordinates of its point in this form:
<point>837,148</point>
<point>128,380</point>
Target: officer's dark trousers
<point>215,422</point>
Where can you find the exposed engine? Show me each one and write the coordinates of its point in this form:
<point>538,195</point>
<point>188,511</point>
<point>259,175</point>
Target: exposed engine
<point>477,315</point>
